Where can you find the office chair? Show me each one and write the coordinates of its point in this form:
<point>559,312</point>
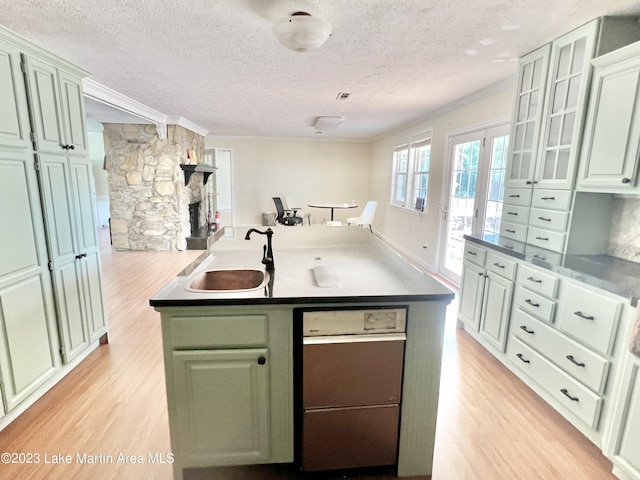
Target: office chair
<point>283,217</point>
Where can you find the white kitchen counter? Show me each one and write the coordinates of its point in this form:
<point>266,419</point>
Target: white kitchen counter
<point>367,268</point>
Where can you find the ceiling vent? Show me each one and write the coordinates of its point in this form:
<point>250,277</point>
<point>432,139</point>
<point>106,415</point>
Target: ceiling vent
<point>324,124</point>
<point>343,96</point>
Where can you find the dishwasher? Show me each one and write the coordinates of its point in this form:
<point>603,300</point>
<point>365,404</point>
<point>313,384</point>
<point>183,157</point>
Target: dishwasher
<point>351,385</point>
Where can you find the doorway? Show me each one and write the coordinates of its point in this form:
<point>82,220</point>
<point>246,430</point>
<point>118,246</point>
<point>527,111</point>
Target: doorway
<point>474,189</point>
<point>223,189</point>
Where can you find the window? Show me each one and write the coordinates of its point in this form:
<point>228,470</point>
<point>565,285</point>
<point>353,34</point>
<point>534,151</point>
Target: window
<point>411,163</point>
<point>493,209</point>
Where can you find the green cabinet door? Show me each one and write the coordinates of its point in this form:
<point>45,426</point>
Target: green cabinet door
<point>471,292</point>
<point>14,116</point>
<point>222,406</point>
<point>496,308</point>
<point>57,108</point>
<point>67,274</point>
<point>28,337</point>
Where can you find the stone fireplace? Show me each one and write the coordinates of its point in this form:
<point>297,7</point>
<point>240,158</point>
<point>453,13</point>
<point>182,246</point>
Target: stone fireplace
<point>148,198</point>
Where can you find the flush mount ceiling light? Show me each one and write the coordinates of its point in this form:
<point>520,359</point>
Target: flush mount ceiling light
<point>302,32</point>
<point>328,123</point>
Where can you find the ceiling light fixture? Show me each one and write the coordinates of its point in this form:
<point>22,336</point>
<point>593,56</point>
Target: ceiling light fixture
<point>328,123</point>
<point>302,32</point>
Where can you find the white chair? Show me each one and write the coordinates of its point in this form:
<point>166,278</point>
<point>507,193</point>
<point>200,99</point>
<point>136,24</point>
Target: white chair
<point>297,212</point>
<point>366,217</point>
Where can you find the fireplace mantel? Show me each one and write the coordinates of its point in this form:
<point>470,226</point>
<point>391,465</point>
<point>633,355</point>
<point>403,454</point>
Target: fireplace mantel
<point>189,169</point>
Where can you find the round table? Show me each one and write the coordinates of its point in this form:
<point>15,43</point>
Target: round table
<point>333,206</point>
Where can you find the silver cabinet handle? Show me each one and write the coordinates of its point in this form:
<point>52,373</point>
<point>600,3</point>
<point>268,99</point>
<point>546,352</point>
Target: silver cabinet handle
<point>535,280</point>
<point>531,303</point>
<point>582,315</point>
<point>498,265</point>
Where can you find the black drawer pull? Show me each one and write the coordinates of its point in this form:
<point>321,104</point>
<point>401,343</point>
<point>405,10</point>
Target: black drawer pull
<point>566,393</point>
<point>262,360</point>
<point>514,196</point>
<point>498,265</point>
<point>510,231</point>
<point>510,247</point>
<point>524,327</point>
<point>481,273</point>
<point>535,280</point>
<point>582,315</point>
<point>574,361</point>
<point>540,257</point>
<point>531,182</point>
<point>547,198</point>
<point>626,180</point>
<point>471,253</point>
<point>546,239</point>
<point>544,219</point>
<point>519,355</point>
<point>512,213</point>
<point>82,255</point>
<point>531,303</point>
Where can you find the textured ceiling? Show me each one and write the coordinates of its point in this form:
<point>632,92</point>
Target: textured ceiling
<point>217,63</point>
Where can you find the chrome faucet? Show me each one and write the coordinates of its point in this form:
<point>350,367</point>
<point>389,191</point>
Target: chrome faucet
<point>267,250</point>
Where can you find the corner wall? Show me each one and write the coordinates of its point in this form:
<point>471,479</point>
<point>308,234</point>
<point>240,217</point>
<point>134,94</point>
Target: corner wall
<point>148,198</point>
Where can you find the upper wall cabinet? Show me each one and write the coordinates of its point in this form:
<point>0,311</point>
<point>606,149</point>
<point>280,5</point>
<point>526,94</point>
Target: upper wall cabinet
<point>611,142</point>
<point>14,116</point>
<point>527,115</point>
<point>57,108</point>
<point>546,142</point>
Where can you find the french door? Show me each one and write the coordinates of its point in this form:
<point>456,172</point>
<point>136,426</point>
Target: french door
<point>474,188</point>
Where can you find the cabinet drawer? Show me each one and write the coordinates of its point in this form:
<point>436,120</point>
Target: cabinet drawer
<point>546,239</point>
<point>551,219</point>
<point>535,304</point>
<point>514,231</point>
<point>543,254</point>
<point>576,398</point>
<point>501,265</point>
<point>474,253</point>
<point>538,281</point>
<point>218,331</point>
<point>552,199</point>
<point>515,214</point>
<point>579,362</point>
<point>517,196</point>
<point>589,317</point>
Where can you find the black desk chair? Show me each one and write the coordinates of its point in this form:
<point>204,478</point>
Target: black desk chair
<point>283,216</point>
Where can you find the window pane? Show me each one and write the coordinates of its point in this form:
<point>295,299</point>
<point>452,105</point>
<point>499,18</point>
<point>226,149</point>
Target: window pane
<point>549,165</point>
<point>554,132</point>
<point>578,55</point>
<point>559,96</point>
<point>567,128</point>
<point>493,207</point>
<point>401,188</point>
<point>564,61</point>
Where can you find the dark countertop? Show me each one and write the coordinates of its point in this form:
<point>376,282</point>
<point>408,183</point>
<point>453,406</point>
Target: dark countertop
<point>368,269</point>
<point>611,274</point>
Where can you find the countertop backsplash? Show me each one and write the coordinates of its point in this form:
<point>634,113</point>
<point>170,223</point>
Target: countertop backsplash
<point>624,239</point>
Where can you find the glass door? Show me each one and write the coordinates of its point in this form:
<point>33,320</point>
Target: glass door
<point>459,209</point>
<point>475,187</point>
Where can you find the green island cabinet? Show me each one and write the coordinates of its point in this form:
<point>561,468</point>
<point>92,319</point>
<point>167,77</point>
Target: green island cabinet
<point>52,313</point>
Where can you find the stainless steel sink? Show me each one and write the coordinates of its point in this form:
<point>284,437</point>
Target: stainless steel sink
<point>228,280</point>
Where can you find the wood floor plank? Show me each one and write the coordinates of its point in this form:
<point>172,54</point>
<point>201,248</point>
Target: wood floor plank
<point>490,425</point>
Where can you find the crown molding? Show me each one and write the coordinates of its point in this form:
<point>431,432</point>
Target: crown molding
<point>107,96</point>
<point>188,124</point>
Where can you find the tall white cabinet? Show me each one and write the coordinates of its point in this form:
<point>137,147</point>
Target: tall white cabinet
<point>51,305</point>
<point>548,118</point>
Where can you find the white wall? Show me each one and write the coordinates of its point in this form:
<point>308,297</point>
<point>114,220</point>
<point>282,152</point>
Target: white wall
<point>321,170</point>
<point>309,170</point>
<point>409,230</point>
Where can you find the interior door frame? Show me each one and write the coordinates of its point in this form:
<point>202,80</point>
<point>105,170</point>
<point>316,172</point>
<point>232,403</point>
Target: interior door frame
<point>482,131</point>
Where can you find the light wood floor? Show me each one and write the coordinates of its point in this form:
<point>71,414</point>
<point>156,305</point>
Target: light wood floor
<point>490,425</point>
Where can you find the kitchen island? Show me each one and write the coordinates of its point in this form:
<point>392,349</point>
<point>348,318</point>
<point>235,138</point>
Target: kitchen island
<point>229,355</point>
